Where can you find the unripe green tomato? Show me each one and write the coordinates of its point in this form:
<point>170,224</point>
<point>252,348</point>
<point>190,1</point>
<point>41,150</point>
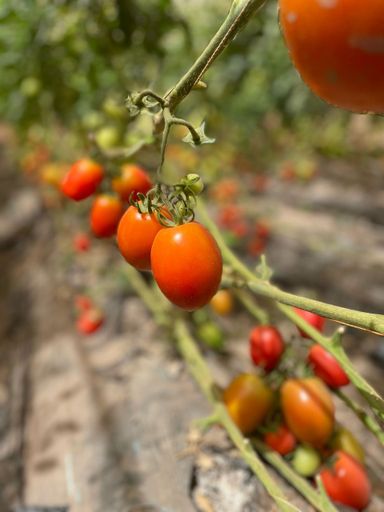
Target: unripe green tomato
<point>210,334</point>
<point>30,86</point>
<point>113,109</point>
<point>306,460</point>
<point>92,120</point>
<point>195,183</point>
<point>107,137</point>
<point>344,440</point>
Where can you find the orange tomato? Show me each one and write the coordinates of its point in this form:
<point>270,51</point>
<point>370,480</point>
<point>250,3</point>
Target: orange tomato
<point>132,181</point>
<point>82,179</point>
<point>222,302</point>
<point>105,215</point>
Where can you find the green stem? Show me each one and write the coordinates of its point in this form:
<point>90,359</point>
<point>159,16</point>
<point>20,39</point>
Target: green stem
<point>239,14</point>
<point>249,303</point>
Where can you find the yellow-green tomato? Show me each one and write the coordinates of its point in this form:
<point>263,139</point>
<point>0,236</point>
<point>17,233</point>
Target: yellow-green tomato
<point>306,460</point>
<point>210,334</point>
<point>248,400</point>
<point>344,440</point>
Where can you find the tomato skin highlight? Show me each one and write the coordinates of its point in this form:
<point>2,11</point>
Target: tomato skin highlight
<point>316,321</point>
<point>105,215</point>
<point>347,482</point>
<point>337,47</point>
<point>132,181</point>
<point>135,235</point>
<point>248,400</point>
<point>82,179</point>
<point>187,265</point>
<point>266,346</point>
<point>326,367</point>
<point>280,440</point>
<point>308,410</point>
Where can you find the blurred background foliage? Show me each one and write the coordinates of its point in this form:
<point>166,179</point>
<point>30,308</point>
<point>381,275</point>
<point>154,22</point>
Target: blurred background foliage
<point>71,65</point>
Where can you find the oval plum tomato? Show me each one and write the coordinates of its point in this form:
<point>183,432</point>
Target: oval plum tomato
<point>347,482</point>
<point>306,460</point>
<point>337,47</point>
<point>326,367</point>
<point>312,319</point>
<point>82,179</point>
<point>132,181</point>
<point>187,265</point>
<point>280,440</point>
<point>135,235</point>
<point>266,346</point>
<point>344,440</point>
<point>308,410</point>
<point>248,400</point>
<point>90,321</point>
<point>222,302</point>
<point>105,215</point>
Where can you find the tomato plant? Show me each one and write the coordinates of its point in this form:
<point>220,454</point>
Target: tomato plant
<point>266,346</point>
<point>187,265</point>
<point>326,367</point>
<point>308,410</point>
<point>135,235</point>
<point>82,179</point>
<point>222,302</point>
<point>281,440</point>
<point>346,481</point>
<point>312,319</point>
<point>248,400</point>
<point>337,47</point>
<point>306,460</point>
<point>132,181</point>
<point>105,215</point>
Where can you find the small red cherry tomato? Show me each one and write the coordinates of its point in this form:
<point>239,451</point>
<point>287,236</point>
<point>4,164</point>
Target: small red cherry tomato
<point>248,400</point>
<point>347,482</point>
<point>90,321</point>
<point>280,440</point>
<point>105,215</point>
<point>266,346</point>
<point>326,367</point>
<point>135,235</point>
<point>187,265</point>
<point>81,242</point>
<point>312,319</point>
<point>308,410</point>
<point>132,181</point>
<point>82,179</point>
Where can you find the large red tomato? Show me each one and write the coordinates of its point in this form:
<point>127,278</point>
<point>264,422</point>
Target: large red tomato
<point>338,48</point>
<point>132,181</point>
<point>135,235</point>
<point>308,410</point>
<point>105,215</point>
<point>82,179</point>
<point>326,367</point>
<point>187,265</point>
<point>347,482</point>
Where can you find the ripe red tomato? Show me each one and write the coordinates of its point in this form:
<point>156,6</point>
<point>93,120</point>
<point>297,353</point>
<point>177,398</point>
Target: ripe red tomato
<point>90,321</point>
<point>135,235</point>
<point>132,181</point>
<point>337,47</point>
<point>347,482</point>
<point>105,215</point>
<point>315,320</point>
<point>81,242</point>
<point>248,400</point>
<point>82,179</point>
<point>266,346</point>
<point>326,367</point>
<point>308,410</point>
<point>187,265</point>
<point>281,440</point>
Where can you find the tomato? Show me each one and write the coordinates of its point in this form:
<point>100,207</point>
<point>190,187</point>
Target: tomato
<point>308,410</point>
<point>222,302</point>
<point>135,235</point>
<point>337,47</point>
<point>210,334</point>
<point>347,482</point>
<point>312,319</point>
<point>326,367</point>
<point>187,265</point>
<point>344,440</point>
<point>132,181</point>
<point>306,460</point>
<point>266,346</point>
<point>81,242</point>
<point>248,400</point>
<point>105,215</point>
<point>281,440</point>
<point>90,321</point>
<point>82,179</point>
<point>82,302</point>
